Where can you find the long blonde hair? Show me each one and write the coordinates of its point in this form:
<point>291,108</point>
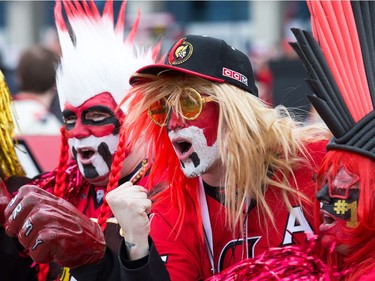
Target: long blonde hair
<point>256,142</point>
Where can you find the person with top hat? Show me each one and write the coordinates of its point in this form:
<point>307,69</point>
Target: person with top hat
<point>239,174</point>
<point>61,217</point>
<point>341,76</point>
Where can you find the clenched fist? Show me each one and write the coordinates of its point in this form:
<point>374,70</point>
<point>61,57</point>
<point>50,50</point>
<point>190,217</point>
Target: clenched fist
<point>52,229</point>
<point>130,205</point>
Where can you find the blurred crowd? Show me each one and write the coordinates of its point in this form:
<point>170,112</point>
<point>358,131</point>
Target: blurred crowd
<point>278,73</point>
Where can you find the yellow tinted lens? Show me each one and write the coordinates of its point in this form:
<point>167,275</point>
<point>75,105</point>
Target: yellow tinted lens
<point>191,105</point>
<point>158,111</point>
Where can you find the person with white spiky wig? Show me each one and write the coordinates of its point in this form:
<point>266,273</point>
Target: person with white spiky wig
<point>63,205</point>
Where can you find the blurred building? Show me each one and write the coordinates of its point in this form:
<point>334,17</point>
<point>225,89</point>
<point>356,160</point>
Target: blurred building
<point>256,27</point>
<point>23,23</point>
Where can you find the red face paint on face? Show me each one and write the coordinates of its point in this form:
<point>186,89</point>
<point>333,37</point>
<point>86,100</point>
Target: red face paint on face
<point>97,117</point>
<point>339,197</point>
<point>92,131</point>
<point>194,141</point>
<point>208,121</point>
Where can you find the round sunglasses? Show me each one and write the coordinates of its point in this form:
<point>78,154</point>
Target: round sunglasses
<point>190,107</point>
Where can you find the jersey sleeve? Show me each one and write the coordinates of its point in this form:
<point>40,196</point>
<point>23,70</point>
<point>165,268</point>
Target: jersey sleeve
<point>107,269</point>
<point>173,256</point>
<point>149,268</point>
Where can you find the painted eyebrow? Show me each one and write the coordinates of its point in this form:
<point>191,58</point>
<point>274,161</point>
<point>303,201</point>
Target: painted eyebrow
<point>67,113</point>
<point>99,108</point>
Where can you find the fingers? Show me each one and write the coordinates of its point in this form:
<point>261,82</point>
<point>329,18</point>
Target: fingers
<point>129,198</point>
<point>20,207</point>
<point>44,223</point>
<point>126,190</point>
<point>42,246</point>
<point>130,186</point>
<point>47,208</point>
<point>130,205</point>
<point>28,191</point>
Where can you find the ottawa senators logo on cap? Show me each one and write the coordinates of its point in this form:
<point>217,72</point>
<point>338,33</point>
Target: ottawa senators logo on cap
<point>180,52</point>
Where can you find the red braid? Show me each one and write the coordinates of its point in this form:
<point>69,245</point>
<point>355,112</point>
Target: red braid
<point>43,271</point>
<point>58,190</point>
<point>165,163</point>
<point>117,164</point>
<point>60,184</point>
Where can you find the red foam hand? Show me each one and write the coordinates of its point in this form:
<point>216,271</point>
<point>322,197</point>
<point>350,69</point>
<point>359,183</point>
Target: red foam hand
<point>52,229</point>
<point>4,200</point>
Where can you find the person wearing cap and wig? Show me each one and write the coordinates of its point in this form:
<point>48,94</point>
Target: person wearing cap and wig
<point>66,220</point>
<point>239,174</point>
<point>341,77</point>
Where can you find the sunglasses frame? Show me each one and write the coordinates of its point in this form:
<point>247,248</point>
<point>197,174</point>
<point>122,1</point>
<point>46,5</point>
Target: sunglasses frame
<point>202,101</point>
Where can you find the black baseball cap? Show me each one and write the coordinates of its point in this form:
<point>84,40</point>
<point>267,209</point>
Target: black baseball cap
<point>209,58</point>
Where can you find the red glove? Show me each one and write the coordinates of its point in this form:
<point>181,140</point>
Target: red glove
<point>52,229</point>
<point>4,200</point>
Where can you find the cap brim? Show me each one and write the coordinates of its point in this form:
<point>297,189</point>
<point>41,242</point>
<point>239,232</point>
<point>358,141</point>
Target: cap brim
<point>157,69</point>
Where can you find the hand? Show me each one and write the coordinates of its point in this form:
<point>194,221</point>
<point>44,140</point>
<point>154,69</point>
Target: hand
<point>52,229</point>
<point>5,198</point>
<point>130,205</point>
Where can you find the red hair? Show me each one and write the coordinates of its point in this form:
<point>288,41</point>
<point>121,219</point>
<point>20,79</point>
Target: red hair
<point>60,186</point>
<point>361,239</point>
<point>181,192</point>
<point>114,177</point>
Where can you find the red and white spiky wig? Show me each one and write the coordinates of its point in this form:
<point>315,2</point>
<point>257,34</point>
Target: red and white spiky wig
<point>96,57</point>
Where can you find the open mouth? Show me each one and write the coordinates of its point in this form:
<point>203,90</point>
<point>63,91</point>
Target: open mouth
<point>183,148</point>
<point>85,155</point>
<point>328,221</point>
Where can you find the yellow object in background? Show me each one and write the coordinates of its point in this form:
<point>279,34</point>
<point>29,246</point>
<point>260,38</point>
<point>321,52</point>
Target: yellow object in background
<point>9,163</point>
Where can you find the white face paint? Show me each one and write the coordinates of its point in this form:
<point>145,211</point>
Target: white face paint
<point>94,162</point>
<point>190,145</point>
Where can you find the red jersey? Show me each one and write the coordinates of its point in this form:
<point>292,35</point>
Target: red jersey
<point>187,257</point>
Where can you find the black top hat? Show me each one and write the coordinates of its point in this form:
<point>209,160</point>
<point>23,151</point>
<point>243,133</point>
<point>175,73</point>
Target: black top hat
<point>208,58</point>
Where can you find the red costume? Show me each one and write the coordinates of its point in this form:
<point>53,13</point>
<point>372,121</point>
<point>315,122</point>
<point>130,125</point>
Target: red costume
<point>339,59</point>
<point>185,254</point>
<point>240,174</point>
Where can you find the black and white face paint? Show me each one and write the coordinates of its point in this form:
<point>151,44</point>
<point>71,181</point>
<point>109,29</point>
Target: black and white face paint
<point>94,156</point>
<point>195,155</point>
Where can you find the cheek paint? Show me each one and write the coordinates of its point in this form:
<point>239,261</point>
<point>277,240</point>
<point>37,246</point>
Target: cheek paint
<point>195,159</point>
<point>104,151</point>
<point>353,221</point>
<point>90,172</point>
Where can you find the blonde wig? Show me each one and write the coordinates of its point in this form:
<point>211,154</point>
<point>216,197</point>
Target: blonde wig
<point>259,146</point>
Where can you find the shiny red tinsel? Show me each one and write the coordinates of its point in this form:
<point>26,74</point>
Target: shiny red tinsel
<point>284,263</point>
